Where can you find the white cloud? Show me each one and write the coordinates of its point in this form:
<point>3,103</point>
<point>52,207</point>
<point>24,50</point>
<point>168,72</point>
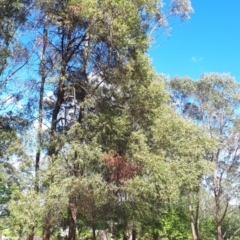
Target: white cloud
<point>49,97</point>
<point>196,59</point>
<point>45,125</point>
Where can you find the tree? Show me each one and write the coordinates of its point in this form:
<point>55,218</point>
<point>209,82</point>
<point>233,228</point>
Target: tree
<point>105,52</point>
<point>130,171</point>
<point>10,146</point>
<point>213,103</point>
<point>110,144</point>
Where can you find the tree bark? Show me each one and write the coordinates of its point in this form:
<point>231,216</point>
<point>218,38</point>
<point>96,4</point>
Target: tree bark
<point>197,212</point>
<point>125,231</point>
<point>219,231</point>
<point>30,237</point>
<point>192,221</point>
<point>94,237</point>
<point>31,234</point>
<point>40,108</point>
<point>46,233</point>
<point>218,215</point>
<point>125,237</point>
<point>47,227</point>
<point>218,221</point>
<point>56,110</point>
<point>72,216</point>
<point>134,234</point>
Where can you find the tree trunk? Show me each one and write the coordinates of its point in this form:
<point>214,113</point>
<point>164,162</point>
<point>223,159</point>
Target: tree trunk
<point>31,234</point>
<point>192,221</point>
<point>40,108</point>
<point>196,224</point>
<point>134,234</point>
<point>46,233</point>
<point>218,220</point>
<point>47,227</point>
<point>72,220</point>
<point>30,237</point>
<point>125,237</point>
<point>219,231</point>
<point>94,232</point>
<point>56,110</point>
<point>219,216</point>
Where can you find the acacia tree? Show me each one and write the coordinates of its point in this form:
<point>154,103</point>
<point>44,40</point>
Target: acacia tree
<point>213,104</point>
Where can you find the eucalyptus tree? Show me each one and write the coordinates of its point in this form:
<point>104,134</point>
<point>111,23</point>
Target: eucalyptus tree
<point>118,167</point>
<point>86,40</point>
<point>104,105</point>
<point>212,103</point>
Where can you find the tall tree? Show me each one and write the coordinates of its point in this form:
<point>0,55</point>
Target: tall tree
<point>84,50</point>
<point>105,119</point>
<point>213,104</point>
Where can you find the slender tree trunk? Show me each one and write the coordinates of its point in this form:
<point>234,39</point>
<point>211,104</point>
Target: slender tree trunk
<point>125,232</point>
<point>192,220</point>
<point>219,216</point>
<point>94,237</point>
<point>40,108</point>
<point>219,231</point>
<point>46,233</point>
<point>30,236</point>
<point>218,219</point>
<point>72,216</point>
<point>47,227</point>
<point>56,110</point>
<point>134,234</point>
<point>125,237</point>
<point>197,213</point>
<point>40,116</point>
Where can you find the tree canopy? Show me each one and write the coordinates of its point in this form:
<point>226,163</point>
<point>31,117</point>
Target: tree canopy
<point>95,143</point>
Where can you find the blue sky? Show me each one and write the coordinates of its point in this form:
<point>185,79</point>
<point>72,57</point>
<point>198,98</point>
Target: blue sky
<point>208,42</point>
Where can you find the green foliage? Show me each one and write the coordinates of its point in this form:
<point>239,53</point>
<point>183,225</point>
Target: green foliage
<point>174,224</point>
<point>115,151</point>
<point>12,15</point>
<point>5,195</point>
<point>207,229</point>
<point>26,209</point>
<point>7,136</point>
<point>212,103</point>
<point>9,148</point>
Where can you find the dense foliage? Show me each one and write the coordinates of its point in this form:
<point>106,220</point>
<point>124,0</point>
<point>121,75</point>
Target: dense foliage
<point>94,143</point>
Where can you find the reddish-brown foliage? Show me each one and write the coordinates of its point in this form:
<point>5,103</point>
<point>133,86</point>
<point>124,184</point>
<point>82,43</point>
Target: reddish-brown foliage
<point>119,168</point>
